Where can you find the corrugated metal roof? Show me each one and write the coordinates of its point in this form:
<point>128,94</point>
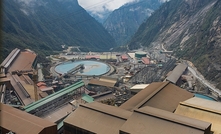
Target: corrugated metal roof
<point>53,96</point>
<point>3,80</point>
<point>22,93</point>
<point>101,83</point>
<point>176,73</point>
<point>21,122</point>
<point>58,114</point>
<point>162,95</point>
<point>202,109</point>
<point>41,84</point>
<point>98,118</point>
<point>108,79</point>
<point>139,86</point>
<point>132,55</point>
<point>23,61</point>
<point>145,60</point>
<point>8,57</point>
<point>87,98</point>
<point>43,89</point>
<point>124,57</point>
<point>156,121</point>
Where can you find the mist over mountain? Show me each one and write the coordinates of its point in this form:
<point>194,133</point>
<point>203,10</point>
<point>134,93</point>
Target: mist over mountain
<point>190,28</point>
<point>122,23</point>
<point>102,16</point>
<point>45,25</point>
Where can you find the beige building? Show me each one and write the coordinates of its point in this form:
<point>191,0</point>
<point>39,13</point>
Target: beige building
<point>161,95</point>
<point>148,112</point>
<point>201,109</point>
<point>20,122</point>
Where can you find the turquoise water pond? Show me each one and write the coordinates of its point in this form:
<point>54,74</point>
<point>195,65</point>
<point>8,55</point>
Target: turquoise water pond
<point>90,67</point>
<point>203,97</point>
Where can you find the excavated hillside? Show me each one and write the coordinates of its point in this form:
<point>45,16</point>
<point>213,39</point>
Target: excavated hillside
<point>190,28</point>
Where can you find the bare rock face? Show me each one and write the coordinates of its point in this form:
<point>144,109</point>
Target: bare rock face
<point>190,28</point>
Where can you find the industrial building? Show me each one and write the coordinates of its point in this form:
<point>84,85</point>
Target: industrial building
<point>55,100</point>
<point>156,121</point>
<point>137,88</point>
<point>176,73</point>
<point>96,118</point>
<point>202,109</point>
<point>145,60</point>
<point>57,106</point>
<point>19,122</point>
<point>161,95</point>
<point>18,67</point>
<point>102,84</point>
<point>159,107</point>
<point>140,54</point>
<point>150,110</point>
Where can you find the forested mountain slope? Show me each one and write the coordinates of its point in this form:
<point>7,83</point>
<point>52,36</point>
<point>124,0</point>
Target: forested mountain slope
<point>124,22</point>
<point>191,28</point>
<point>45,25</point>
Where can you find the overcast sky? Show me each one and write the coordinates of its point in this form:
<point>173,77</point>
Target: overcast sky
<point>102,5</point>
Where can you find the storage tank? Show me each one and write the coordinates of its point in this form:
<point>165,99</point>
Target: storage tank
<point>140,54</point>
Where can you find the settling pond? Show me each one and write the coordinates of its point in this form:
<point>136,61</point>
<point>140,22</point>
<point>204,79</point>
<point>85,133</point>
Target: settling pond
<point>91,68</point>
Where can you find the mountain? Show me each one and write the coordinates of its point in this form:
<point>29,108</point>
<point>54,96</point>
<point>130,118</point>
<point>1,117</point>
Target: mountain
<point>190,28</point>
<point>101,16</point>
<point>122,23</point>
<point>45,25</point>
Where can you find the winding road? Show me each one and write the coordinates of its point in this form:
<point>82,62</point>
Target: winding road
<point>202,80</point>
<point>198,75</point>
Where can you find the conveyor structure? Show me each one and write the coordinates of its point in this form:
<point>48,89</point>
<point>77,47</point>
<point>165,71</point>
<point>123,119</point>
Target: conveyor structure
<point>54,100</point>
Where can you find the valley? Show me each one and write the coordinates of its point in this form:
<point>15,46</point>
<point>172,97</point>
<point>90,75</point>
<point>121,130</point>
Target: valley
<point>150,66</point>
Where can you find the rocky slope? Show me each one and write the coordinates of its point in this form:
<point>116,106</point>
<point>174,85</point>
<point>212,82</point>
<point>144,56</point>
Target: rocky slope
<point>124,22</point>
<point>192,29</point>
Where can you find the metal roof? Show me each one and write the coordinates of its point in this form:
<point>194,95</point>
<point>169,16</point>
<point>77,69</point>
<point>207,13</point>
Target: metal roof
<point>156,121</point>
<point>139,86</point>
<point>53,96</point>
<point>21,122</point>
<point>202,109</point>
<point>8,57</point>
<point>87,98</point>
<point>3,80</point>
<point>162,95</point>
<point>140,52</point>
<point>132,55</point>
<point>58,114</point>
<point>20,90</point>
<point>23,61</point>
<point>145,60</point>
<point>176,73</point>
<point>101,83</point>
<point>124,57</point>
<point>108,79</point>
<point>98,118</point>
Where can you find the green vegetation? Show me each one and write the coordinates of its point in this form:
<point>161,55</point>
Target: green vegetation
<point>44,28</point>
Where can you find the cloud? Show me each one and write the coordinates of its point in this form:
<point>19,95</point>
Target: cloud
<point>98,6</point>
<point>164,1</point>
<point>27,6</point>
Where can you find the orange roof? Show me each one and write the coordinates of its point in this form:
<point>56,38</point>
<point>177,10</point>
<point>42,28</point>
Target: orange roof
<point>92,56</point>
<point>41,84</point>
<point>145,60</point>
<point>124,57</point>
